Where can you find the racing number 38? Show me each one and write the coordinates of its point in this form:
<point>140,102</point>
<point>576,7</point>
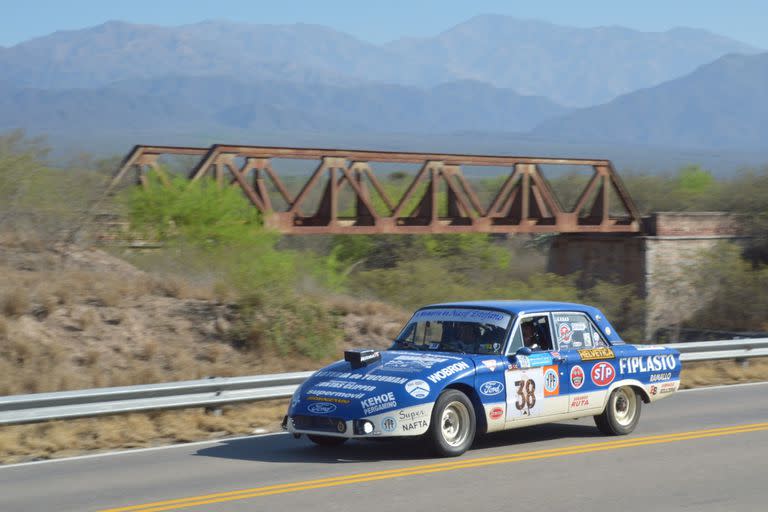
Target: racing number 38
<point>526,391</point>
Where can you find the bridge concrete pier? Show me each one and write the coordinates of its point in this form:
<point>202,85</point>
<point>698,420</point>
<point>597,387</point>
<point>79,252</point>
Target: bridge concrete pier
<point>657,261</point>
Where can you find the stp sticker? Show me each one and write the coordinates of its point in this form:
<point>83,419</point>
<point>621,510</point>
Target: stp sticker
<point>577,377</point>
<point>551,381</point>
<point>603,373</point>
<point>496,413</point>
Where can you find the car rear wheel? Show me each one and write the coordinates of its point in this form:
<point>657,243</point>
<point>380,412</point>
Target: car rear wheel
<point>621,414</point>
<point>453,425</point>
<point>327,440</point>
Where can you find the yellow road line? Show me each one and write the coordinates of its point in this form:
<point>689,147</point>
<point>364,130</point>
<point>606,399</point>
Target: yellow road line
<point>437,467</point>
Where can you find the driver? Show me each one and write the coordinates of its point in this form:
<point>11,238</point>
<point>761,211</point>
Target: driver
<point>530,336</point>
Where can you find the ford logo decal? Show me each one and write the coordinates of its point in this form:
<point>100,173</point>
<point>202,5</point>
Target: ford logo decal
<point>321,408</point>
<point>492,388</point>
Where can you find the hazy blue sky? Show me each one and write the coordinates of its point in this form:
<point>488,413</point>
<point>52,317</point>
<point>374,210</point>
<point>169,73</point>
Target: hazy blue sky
<point>384,20</point>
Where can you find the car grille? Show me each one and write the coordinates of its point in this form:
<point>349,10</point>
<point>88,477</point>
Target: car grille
<point>320,423</point>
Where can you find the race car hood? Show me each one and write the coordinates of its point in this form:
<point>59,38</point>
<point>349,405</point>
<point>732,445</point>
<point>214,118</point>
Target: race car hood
<point>399,379</point>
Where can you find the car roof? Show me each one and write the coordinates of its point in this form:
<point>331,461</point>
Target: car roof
<point>517,307</point>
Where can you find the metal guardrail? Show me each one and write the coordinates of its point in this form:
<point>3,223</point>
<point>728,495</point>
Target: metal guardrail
<point>220,391</point>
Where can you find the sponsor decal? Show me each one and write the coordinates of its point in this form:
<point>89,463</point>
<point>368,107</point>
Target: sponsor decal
<point>369,377</point>
<point>321,408</point>
<point>657,363</point>
<point>577,344</point>
<point>668,387</point>
<point>579,326</point>
<point>411,415</point>
<point>551,381</point>
<point>425,361</point>
<point>595,337</point>
<point>564,332</point>
<point>330,393</point>
<point>562,319</point>
<point>379,403</point>
<point>658,377</point>
<point>343,401</point>
<point>388,424</point>
<point>540,359</point>
<point>462,315</point>
<point>417,388</point>
<point>577,377</point>
<point>579,402</point>
<point>648,347</point>
<point>490,364</point>
<point>434,346</point>
<point>593,354</point>
<point>654,390</point>
<point>447,371</point>
<point>496,413</point>
<point>491,388</point>
<point>608,331</point>
<point>555,354</point>
<point>347,386</point>
<point>603,373</point>
<point>415,425</point>
<point>521,362</point>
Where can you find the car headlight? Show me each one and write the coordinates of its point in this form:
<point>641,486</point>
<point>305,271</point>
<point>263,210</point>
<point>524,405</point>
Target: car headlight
<point>363,427</point>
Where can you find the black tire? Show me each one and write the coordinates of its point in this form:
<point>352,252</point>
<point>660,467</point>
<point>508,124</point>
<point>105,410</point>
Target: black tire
<point>453,425</point>
<point>327,440</point>
<point>622,412</point>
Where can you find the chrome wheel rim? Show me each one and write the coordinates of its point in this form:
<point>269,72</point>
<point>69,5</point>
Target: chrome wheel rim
<point>624,406</point>
<point>454,423</point>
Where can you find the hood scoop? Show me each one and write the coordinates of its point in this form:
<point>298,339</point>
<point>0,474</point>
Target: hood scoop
<point>362,357</point>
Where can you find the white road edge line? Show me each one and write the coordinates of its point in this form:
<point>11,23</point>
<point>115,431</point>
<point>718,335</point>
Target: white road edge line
<point>722,386</point>
<point>140,450</point>
<point>226,439</point>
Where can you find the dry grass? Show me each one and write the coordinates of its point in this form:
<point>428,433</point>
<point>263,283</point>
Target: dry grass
<point>724,372</point>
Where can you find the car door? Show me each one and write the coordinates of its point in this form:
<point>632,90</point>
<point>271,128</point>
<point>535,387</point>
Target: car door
<point>579,345</point>
<point>533,379</point>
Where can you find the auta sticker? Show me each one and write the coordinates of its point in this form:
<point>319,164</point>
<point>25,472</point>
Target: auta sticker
<point>603,373</point>
<point>577,377</point>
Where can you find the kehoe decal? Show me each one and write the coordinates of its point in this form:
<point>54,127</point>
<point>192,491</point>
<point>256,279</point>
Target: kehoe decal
<point>417,388</point>
<point>551,381</point>
<point>593,354</point>
<point>603,373</point>
<point>379,403</point>
<point>577,377</point>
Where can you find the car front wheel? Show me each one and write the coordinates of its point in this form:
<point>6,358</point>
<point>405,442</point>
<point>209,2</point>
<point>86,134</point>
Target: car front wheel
<point>621,414</point>
<point>452,429</point>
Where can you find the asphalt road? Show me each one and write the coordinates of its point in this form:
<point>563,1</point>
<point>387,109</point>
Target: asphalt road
<point>705,450</point>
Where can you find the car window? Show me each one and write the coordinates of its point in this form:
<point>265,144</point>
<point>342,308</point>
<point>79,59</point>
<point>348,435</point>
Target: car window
<point>532,332</point>
<point>575,331</point>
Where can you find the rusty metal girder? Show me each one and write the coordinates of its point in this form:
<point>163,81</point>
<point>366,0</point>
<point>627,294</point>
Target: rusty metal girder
<point>525,202</point>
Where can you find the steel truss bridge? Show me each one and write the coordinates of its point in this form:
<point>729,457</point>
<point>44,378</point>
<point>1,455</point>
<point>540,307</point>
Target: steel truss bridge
<point>439,199</point>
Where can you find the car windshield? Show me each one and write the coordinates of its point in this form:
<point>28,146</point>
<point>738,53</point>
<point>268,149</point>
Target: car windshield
<point>469,331</point>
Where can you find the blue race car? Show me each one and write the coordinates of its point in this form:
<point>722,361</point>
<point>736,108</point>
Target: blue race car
<point>459,369</point>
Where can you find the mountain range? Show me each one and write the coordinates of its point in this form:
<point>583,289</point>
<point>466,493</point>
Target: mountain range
<point>491,77</point>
